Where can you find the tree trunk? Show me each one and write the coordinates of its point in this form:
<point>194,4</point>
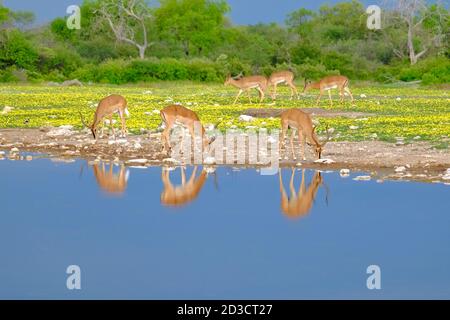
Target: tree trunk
<point>142,52</point>
<point>412,53</point>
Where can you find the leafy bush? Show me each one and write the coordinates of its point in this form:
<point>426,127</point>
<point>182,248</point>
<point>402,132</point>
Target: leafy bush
<point>16,50</point>
<point>430,71</point>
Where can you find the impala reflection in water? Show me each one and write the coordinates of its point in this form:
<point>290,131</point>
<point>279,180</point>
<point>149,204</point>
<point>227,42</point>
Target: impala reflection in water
<point>114,183</point>
<point>185,193</point>
<point>232,243</point>
<point>299,203</point>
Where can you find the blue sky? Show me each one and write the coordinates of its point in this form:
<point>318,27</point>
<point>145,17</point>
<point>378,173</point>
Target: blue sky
<point>243,11</point>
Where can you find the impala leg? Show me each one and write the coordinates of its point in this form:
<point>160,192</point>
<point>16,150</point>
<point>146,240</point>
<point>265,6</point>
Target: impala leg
<point>318,99</point>
<point>280,179</point>
<point>261,95</point>
<point>292,87</point>
<point>301,140</point>
<point>283,137</point>
<point>238,95</point>
<point>329,95</point>
<point>193,175</point>
<point>274,94</point>
<point>291,183</point>
<point>122,120</point>
<point>294,90</point>
<point>292,144</point>
<point>341,94</point>
<point>249,96</point>
<point>301,190</point>
<point>183,176</point>
<point>165,135</point>
<point>349,92</point>
<point>112,126</point>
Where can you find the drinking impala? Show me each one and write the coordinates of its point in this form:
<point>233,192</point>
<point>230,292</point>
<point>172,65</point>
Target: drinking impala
<point>328,83</point>
<point>280,77</point>
<point>244,84</point>
<point>107,107</point>
<point>174,114</point>
<point>296,119</point>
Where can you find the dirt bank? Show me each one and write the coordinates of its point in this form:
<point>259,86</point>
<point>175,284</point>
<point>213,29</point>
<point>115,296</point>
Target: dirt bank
<point>417,161</point>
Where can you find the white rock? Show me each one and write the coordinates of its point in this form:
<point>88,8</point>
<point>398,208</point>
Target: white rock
<point>362,178</point>
<point>142,161</point>
<point>28,158</point>
<point>147,92</point>
<point>14,150</point>
<point>210,169</point>
<point>271,139</point>
<point>170,160</point>
<point>137,145</point>
<point>61,131</point>
<point>354,127</point>
<point>156,111</point>
<point>363,95</point>
<point>7,109</point>
<point>398,99</point>
<point>344,173</point>
<point>400,169</point>
<point>324,160</point>
<point>209,160</point>
<point>245,118</point>
<point>2,153</point>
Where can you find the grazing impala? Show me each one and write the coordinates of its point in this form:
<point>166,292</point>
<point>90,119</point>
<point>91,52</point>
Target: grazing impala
<point>107,107</point>
<point>111,182</point>
<point>174,114</point>
<point>246,83</point>
<point>328,83</point>
<point>280,77</point>
<point>300,121</point>
<point>186,192</point>
<point>299,204</point>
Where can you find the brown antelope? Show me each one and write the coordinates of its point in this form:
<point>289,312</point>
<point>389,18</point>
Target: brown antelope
<point>107,107</point>
<point>174,114</point>
<point>328,83</point>
<point>299,203</point>
<point>280,77</point>
<point>246,83</point>
<point>110,182</point>
<point>186,192</point>
<point>301,121</point>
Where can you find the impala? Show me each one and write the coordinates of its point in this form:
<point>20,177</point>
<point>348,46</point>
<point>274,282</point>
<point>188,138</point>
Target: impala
<point>111,182</point>
<point>244,84</point>
<point>107,107</point>
<point>280,77</point>
<point>177,114</point>
<point>328,83</point>
<point>301,121</point>
<point>186,192</point>
<point>299,203</point>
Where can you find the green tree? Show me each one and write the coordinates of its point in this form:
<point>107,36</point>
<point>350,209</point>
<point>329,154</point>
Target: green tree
<point>196,25</point>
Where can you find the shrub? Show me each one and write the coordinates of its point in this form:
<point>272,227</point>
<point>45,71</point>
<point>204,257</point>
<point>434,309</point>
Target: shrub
<point>16,50</point>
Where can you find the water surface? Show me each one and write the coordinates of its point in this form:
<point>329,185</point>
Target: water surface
<point>228,235</point>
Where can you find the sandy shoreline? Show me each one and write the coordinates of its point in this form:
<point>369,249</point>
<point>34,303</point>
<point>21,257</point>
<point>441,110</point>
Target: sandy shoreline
<point>417,161</point>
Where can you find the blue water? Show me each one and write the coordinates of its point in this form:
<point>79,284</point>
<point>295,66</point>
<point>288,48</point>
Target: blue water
<point>231,242</point>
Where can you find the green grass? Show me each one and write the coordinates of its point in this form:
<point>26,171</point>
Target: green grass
<point>423,112</point>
